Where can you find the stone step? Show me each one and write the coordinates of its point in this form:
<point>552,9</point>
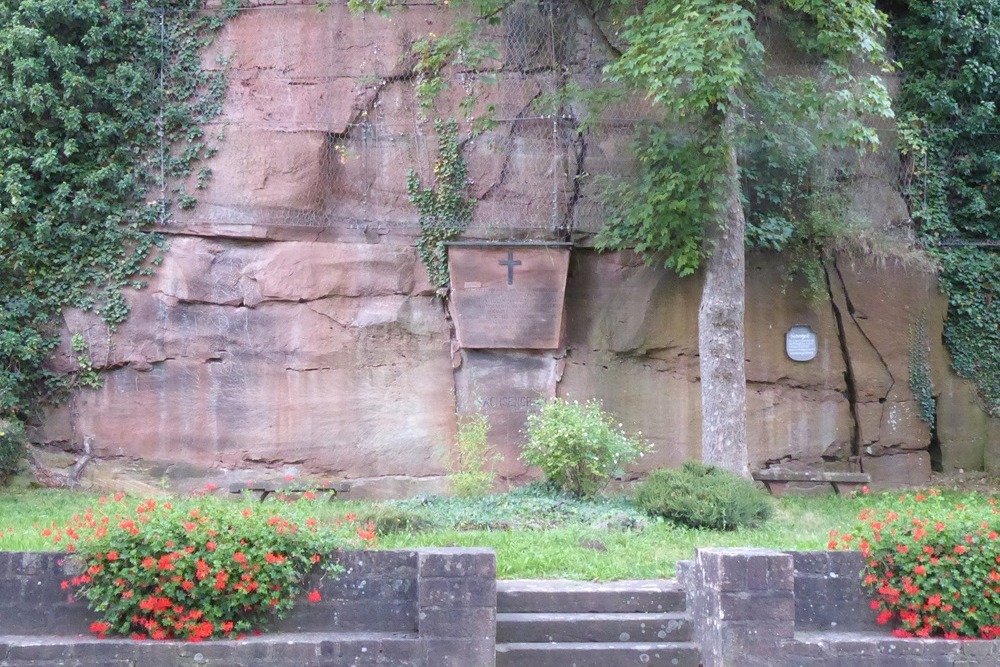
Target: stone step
<point>556,595</point>
<point>593,627</point>
<point>598,654</point>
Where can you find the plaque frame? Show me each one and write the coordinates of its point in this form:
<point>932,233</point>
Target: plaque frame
<point>521,284</point>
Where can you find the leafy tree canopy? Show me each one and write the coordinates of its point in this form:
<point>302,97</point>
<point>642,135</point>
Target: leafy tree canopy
<point>704,61</point>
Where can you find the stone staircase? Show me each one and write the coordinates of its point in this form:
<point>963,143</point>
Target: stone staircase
<point>543,623</point>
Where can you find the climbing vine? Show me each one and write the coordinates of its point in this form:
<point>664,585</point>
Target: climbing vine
<point>101,107</point>
<point>950,135</point>
<point>920,381</point>
<point>445,208</point>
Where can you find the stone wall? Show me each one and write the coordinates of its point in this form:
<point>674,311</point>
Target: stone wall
<point>437,608</point>
<point>762,608</point>
<point>291,328</point>
<point>421,608</point>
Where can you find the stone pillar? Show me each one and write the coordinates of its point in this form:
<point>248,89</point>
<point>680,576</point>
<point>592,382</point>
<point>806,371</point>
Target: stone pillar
<point>456,607</point>
<point>742,603</point>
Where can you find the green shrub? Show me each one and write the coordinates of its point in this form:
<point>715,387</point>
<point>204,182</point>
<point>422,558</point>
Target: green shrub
<point>703,497</point>
<point>578,447</point>
<point>473,474</point>
<point>11,448</point>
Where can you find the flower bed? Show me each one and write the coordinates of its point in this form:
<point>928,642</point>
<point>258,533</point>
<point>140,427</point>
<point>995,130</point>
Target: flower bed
<point>932,565</point>
<point>200,568</point>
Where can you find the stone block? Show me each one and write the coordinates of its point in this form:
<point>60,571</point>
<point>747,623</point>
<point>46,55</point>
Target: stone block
<point>32,563</point>
<point>503,385</point>
<point>847,566</point>
<point>41,651</point>
<point>749,642</point>
<point>764,607</point>
<point>898,469</point>
<point>378,616</point>
<point>918,648</point>
<point>402,653</point>
<point>351,616</point>
<point>811,650</point>
<point>353,652</point>
<point>732,575</point>
<point>93,650</point>
<point>734,570</point>
<point>71,617</point>
<point>979,651</point>
<point>295,649</point>
<point>811,562</point>
<point>454,562</point>
<point>460,652</point>
<point>769,573</point>
<point>374,587</point>
<point>451,592</point>
<point>44,590</point>
<point>395,563</point>
<point>11,595</point>
<point>459,623</point>
<point>30,622</point>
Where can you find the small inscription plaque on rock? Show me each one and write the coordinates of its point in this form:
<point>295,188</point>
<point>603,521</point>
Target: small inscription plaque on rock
<point>508,296</point>
<point>800,343</point>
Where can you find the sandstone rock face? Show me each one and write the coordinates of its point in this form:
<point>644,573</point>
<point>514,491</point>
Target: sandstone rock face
<point>633,343</point>
<point>292,329</point>
<point>278,353</point>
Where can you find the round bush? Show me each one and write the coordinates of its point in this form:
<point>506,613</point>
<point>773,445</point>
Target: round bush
<point>703,497</point>
<point>578,447</point>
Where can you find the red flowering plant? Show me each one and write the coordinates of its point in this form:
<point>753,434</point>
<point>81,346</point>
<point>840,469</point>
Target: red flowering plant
<point>932,564</point>
<point>201,568</point>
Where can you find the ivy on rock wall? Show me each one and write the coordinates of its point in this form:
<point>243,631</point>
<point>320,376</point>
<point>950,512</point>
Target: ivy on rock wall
<point>445,209</point>
<point>100,105</point>
<point>950,56</point>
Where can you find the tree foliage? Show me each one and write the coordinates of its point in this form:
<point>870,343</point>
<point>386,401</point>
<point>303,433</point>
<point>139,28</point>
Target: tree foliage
<point>99,100</point>
<point>702,60</point>
<point>950,56</point>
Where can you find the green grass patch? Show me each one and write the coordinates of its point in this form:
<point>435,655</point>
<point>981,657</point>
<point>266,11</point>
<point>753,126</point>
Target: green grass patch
<point>536,533</point>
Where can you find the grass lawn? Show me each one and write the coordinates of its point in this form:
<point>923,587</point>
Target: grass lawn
<point>585,552</point>
<point>601,541</point>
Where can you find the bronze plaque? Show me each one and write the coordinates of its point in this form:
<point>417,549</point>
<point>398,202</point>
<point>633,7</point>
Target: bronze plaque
<point>508,296</point>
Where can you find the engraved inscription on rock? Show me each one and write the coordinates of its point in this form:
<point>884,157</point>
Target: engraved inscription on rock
<point>800,343</point>
<point>508,296</point>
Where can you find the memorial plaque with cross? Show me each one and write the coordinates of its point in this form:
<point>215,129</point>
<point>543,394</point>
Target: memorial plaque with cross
<point>508,295</point>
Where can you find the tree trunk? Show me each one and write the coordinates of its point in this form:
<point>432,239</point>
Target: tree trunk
<point>720,332</point>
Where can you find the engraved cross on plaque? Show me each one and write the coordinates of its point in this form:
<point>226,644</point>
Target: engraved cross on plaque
<point>510,263</point>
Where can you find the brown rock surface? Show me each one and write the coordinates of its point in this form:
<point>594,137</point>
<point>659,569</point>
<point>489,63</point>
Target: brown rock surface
<point>274,352</point>
<point>504,385</point>
<point>292,325</point>
<point>899,469</point>
<point>879,325</point>
<point>633,343</point>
